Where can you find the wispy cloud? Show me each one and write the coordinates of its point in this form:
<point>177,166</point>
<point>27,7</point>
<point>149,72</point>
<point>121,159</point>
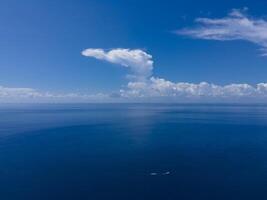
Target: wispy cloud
<point>137,60</point>
<point>237,25</point>
<point>18,95</point>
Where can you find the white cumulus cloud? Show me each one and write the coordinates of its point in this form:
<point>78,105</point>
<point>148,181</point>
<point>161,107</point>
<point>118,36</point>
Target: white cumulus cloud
<point>237,25</point>
<point>137,60</point>
<point>158,87</point>
<point>153,89</point>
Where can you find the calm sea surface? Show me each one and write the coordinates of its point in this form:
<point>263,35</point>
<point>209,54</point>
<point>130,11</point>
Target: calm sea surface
<point>133,152</point>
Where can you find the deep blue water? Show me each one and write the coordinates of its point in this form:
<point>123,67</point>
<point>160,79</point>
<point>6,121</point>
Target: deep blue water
<point>133,152</point>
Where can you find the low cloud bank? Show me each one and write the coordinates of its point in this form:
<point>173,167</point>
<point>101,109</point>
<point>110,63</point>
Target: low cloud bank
<point>151,90</point>
<point>30,95</point>
<point>158,87</point>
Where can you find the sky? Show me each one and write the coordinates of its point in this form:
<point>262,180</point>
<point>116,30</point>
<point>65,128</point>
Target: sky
<point>133,51</point>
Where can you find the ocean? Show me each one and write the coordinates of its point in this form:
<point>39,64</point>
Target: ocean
<point>133,152</point>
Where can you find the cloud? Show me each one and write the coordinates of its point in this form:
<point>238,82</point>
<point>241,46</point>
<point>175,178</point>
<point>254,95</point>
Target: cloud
<point>138,61</point>
<point>158,87</point>
<point>17,92</point>
<point>18,95</point>
<point>149,87</point>
<point>153,90</point>
<point>237,25</point>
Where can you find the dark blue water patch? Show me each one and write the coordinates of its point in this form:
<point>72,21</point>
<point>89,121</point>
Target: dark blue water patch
<point>205,161</point>
<point>124,152</point>
<point>23,117</point>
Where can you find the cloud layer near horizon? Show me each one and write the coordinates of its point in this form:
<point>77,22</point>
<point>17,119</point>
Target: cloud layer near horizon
<point>153,89</point>
<point>158,87</point>
<point>18,95</point>
<point>237,25</point>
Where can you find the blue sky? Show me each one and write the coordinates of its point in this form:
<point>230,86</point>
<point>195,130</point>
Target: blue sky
<point>41,45</point>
